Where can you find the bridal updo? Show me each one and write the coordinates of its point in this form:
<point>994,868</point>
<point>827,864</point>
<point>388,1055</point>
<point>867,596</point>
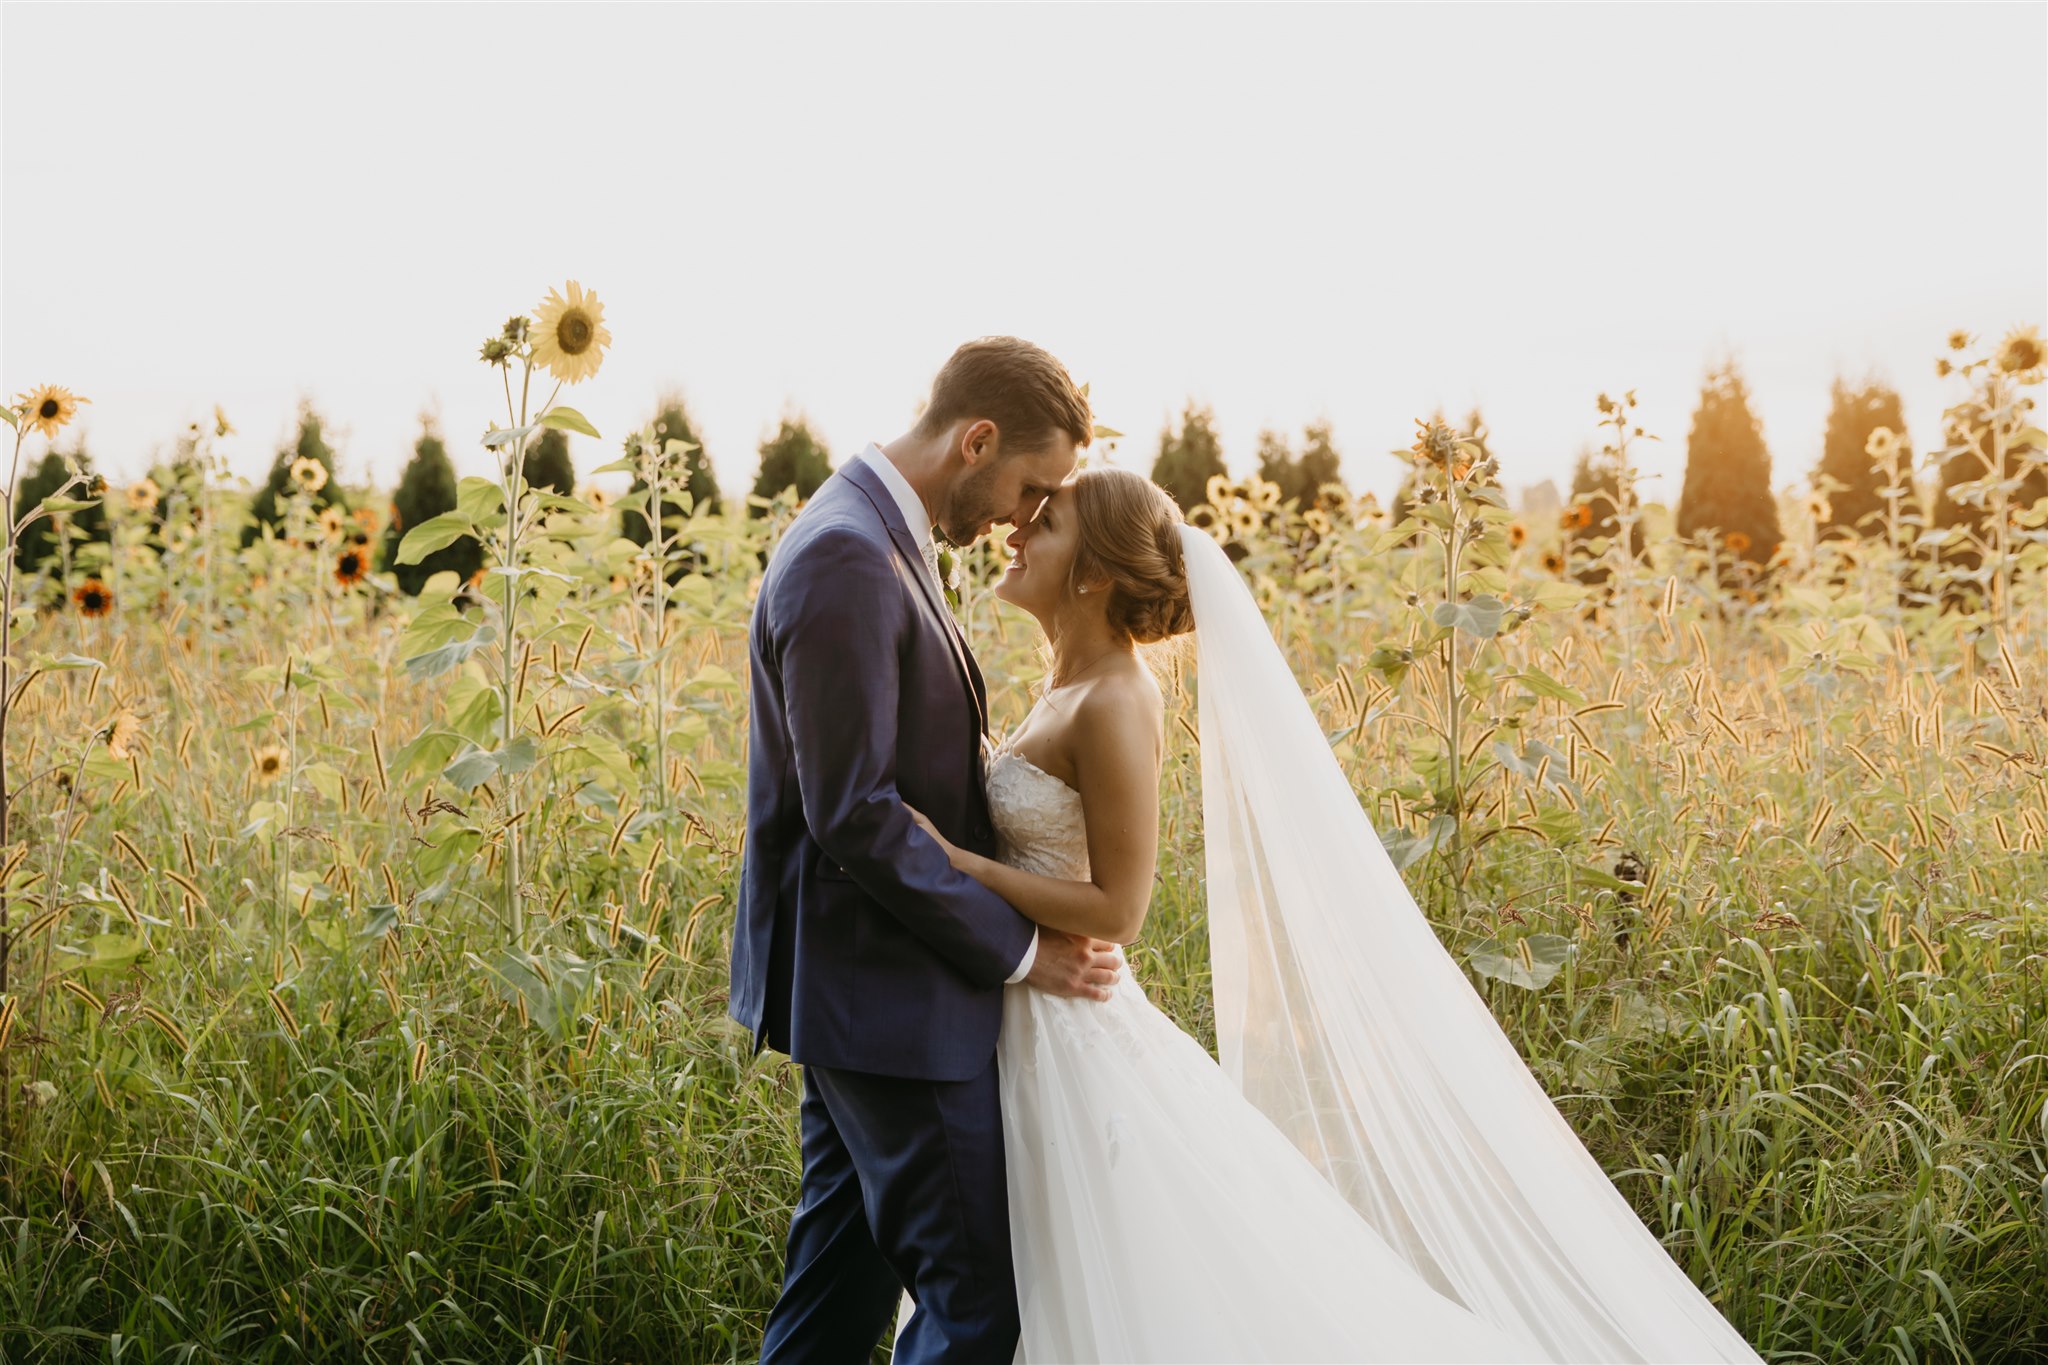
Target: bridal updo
<point>1130,535</point>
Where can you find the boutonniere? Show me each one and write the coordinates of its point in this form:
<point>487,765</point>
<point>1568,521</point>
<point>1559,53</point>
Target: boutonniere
<point>949,576</point>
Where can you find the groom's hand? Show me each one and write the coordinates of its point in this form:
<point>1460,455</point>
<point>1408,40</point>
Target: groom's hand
<point>1073,965</point>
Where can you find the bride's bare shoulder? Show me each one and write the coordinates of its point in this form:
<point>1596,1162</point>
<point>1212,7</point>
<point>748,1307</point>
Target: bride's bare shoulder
<point>1123,699</point>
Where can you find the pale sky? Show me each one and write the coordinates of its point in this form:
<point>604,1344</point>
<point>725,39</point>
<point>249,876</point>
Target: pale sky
<point>1287,213</point>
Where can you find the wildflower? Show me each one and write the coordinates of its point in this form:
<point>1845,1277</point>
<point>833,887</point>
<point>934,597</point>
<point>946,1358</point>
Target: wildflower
<point>1883,443</point>
<point>49,408</point>
<point>122,732</point>
<point>1737,542</point>
<point>270,761</point>
<point>94,598</point>
<point>309,474</point>
<point>143,494</point>
<point>1553,562</point>
<point>1958,340</point>
<point>572,335</point>
<point>2021,356</point>
<point>221,425</point>
<point>1218,489</point>
<point>1518,534</point>
<point>349,567</point>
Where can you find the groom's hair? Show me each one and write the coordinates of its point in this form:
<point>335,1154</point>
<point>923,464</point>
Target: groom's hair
<point>1020,387</point>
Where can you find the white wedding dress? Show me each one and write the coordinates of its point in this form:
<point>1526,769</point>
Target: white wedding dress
<point>1372,1158</point>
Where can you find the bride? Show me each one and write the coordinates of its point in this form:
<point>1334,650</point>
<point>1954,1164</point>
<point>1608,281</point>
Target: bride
<point>1371,1174</point>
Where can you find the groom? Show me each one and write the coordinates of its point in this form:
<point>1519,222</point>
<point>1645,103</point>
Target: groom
<point>858,949</point>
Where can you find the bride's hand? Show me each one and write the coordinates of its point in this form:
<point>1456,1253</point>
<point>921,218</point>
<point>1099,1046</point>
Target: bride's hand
<point>952,853</point>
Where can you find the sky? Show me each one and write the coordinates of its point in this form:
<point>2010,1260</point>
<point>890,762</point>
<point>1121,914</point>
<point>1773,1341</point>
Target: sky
<point>1355,214</point>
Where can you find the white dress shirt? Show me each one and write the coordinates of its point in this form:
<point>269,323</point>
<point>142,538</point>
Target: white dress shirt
<point>919,521</point>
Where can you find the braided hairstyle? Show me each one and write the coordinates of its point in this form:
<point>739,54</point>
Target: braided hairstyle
<point>1130,535</point>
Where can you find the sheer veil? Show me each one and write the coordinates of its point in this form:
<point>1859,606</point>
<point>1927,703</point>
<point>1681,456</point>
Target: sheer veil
<point>1344,1020</point>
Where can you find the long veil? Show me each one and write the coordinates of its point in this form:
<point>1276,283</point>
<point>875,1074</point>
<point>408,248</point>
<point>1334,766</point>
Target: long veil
<point>1344,1020</point>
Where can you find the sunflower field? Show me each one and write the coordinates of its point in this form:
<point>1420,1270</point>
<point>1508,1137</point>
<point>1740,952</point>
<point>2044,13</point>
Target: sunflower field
<point>363,954</point>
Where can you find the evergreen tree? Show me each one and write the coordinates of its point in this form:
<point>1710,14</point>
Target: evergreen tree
<point>1321,465</point>
<point>39,541</point>
<point>1277,464</point>
<point>1594,511</point>
<point>1855,498</point>
<point>425,490</point>
<point>548,464</point>
<point>792,458</point>
<point>1190,458</point>
<point>309,444</point>
<point>1728,473</point>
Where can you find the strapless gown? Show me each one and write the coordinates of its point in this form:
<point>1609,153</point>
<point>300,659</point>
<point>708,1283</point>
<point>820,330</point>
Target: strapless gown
<point>1155,1213</point>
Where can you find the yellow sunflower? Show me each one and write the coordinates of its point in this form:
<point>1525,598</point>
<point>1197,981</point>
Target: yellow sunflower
<point>143,494</point>
<point>1218,489</point>
<point>94,598</point>
<point>270,761</point>
<point>1244,521</point>
<point>1882,444</point>
<point>1317,520</point>
<point>2021,356</point>
<point>350,566</point>
<point>309,474</point>
<point>1369,508</point>
<point>570,337</point>
<point>1737,542</point>
<point>49,408</point>
<point>330,522</point>
<point>1957,340</point>
<point>1518,534</point>
<point>596,498</point>
<point>122,733</point>
<point>1264,494</point>
<point>1553,562</point>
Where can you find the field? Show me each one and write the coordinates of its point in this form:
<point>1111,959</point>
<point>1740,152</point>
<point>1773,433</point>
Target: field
<point>365,954</point>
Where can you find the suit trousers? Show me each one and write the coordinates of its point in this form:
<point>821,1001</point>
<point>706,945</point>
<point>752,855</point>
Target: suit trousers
<point>903,1187</point>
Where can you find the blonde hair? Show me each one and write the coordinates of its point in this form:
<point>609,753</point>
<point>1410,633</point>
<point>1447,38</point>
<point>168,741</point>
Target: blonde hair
<point>1130,535</point>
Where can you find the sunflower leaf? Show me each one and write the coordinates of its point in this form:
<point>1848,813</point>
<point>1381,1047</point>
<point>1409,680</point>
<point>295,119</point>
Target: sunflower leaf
<point>505,436</point>
<point>434,534</point>
<point>13,418</point>
<point>567,419</point>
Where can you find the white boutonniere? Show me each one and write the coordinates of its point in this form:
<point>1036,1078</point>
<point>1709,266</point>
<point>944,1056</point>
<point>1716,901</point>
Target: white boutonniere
<point>949,576</point>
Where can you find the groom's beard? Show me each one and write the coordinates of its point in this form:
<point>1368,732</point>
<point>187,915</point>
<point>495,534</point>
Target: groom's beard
<point>969,506</point>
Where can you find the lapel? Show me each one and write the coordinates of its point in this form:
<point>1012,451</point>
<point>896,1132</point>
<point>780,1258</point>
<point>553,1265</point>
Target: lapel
<point>858,473</point>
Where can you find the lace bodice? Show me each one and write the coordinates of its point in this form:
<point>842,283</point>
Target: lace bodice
<point>1037,817</point>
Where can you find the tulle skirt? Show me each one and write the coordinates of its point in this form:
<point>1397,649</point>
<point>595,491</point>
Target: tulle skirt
<point>1156,1215</point>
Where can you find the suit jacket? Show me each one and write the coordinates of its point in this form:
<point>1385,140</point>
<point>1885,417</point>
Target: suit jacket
<point>856,943</point>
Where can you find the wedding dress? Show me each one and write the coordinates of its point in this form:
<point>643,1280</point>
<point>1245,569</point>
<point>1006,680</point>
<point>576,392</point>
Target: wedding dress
<point>1372,1173</point>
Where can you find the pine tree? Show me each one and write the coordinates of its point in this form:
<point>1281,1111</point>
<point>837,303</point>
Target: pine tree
<point>792,458</point>
<point>425,490</point>
<point>309,444</point>
<point>1854,491</point>
<point>39,541</point>
<point>1728,473</point>
<point>1592,512</point>
<point>1190,458</point>
<point>548,464</point>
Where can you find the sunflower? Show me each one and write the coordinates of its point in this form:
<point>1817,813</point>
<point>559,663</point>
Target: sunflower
<point>1942,369</point>
<point>570,335</point>
<point>330,522</point>
<point>1518,534</point>
<point>143,494</point>
<point>1958,340</point>
<point>2021,356</point>
<point>1820,508</point>
<point>1883,443</point>
<point>349,567</point>
<point>1264,494</point>
<point>1553,562</point>
<point>1204,517</point>
<point>1245,522</point>
<point>94,598</point>
<point>597,498</point>
<point>221,425</point>
<point>366,518</point>
<point>122,732</point>
<point>1737,542</point>
<point>1317,520</point>
<point>309,474</point>
<point>49,408</point>
<point>270,760</point>
<point>1218,489</point>
<point>1369,508</point>
<point>1435,442</point>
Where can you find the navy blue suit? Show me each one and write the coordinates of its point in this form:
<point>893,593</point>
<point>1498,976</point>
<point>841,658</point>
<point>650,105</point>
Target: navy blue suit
<point>861,952</point>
